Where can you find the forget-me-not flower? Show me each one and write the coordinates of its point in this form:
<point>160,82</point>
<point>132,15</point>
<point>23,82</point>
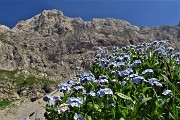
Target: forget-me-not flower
<point>148,71</point>
<point>138,79</point>
<point>104,92</point>
<point>64,87</point>
<point>78,117</point>
<point>167,92</point>
<point>91,94</point>
<point>74,102</point>
<point>47,98</point>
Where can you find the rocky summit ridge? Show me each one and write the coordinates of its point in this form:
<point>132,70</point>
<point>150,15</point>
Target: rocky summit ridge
<point>49,46</point>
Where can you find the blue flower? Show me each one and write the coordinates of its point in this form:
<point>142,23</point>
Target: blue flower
<point>47,98</point>
<point>155,42</point>
<point>112,65</point>
<point>115,48</point>
<point>123,83</point>
<point>113,72</point>
<point>122,73</point>
<point>121,64</point>
<point>160,100</point>
<point>71,82</point>
<point>177,61</point>
<point>138,79</point>
<point>74,102</point>
<point>126,57</point>
<point>104,92</point>
<point>78,87</point>
<point>167,92</point>
<point>129,71</point>
<point>57,99</point>
<point>135,63</point>
<point>103,80</point>
<point>64,87</point>
<point>176,55</point>
<point>98,56</point>
<point>78,117</point>
<point>91,94</point>
<point>87,78</point>
<point>148,48</point>
<point>104,61</point>
<point>154,81</point>
<point>119,59</point>
<point>148,71</point>
<point>51,104</point>
<point>112,105</point>
<point>126,72</point>
<point>170,49</point>
<point>133,75</point>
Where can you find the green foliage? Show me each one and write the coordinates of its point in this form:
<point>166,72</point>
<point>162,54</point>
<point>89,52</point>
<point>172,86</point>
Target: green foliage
<point>9,74</point>
<point>133,83</point>
<point>4,103</point>
<point>19,82</point>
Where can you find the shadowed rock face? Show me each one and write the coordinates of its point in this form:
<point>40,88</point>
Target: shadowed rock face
<point>51,44</point>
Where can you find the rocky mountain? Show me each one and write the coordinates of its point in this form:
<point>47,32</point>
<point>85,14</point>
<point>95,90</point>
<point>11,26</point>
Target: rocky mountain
<point>48,47</point>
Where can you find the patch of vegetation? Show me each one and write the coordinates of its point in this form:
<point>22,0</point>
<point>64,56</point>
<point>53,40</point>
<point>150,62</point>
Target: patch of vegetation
<point>132,83</point>
<point>20,79</point>
<point>19,82</point>
<point>33,80</point>
<point>9,74</point>
<point>4,103</point>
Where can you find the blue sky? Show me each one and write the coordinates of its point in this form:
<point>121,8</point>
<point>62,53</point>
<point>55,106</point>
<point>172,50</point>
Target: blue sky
<point>137,12</point>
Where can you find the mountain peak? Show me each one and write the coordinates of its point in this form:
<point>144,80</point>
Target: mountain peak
<point>45,20</point>
<point>52,12</point>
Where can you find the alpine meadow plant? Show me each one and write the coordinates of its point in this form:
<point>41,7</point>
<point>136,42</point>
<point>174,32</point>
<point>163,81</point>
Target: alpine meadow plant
<point>135,82</point>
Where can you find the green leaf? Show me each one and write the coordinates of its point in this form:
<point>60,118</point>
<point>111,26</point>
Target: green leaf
<point>146,88</point>
<point>124,96</point>
<point>121,119</point>
<point>170,83</point>
<point>96,107</point>
<point>145,100</point>
<point>88,117</point>
<point>171,116</point>
<point>114,97</point>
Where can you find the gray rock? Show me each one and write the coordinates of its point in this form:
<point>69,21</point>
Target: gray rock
<point>4,29</point>
<point>51,45</point>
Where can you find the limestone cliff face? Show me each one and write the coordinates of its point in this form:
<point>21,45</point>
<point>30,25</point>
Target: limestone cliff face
<point>52,44</point>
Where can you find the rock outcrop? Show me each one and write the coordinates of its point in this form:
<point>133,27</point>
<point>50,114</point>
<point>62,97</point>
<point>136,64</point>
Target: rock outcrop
<point>51,45</point>
<point>3,28</point>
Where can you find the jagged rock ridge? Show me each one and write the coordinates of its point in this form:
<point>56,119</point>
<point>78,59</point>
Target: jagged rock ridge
<point>50,45</point>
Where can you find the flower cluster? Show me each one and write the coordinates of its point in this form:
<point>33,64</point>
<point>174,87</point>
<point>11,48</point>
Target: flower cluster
<point>105,92</point>
<point>64,87</point>
<point>74,102</point>
<point>121,82</point>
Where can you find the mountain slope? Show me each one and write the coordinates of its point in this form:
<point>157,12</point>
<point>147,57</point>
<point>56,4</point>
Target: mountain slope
<point>51,45</point>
